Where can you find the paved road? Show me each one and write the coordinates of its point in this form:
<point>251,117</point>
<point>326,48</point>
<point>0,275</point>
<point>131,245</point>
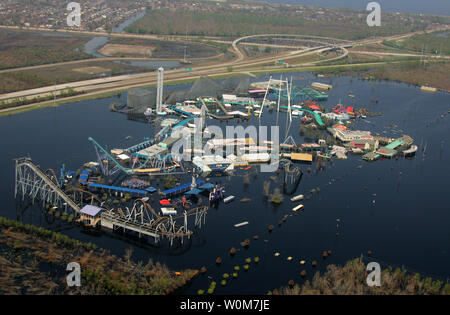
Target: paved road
<point>96,86</point>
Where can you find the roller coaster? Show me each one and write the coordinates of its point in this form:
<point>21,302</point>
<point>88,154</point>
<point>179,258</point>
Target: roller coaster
<point>144,220</point>
<point>32,182</point>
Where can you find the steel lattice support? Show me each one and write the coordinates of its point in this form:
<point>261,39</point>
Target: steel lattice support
<point>32,182</point>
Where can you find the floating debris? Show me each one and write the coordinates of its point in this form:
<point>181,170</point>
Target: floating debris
<point>241,224</point>
<point>228,199</point>
<point>298,197</point>
<point>246,243</point>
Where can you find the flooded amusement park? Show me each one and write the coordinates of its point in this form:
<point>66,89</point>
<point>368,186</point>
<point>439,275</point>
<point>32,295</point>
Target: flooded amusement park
<point>264,179</point>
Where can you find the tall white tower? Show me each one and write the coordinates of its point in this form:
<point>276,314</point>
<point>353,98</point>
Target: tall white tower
<point>159,90</point>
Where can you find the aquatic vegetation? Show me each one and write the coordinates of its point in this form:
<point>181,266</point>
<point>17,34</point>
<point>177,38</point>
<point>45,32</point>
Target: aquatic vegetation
<point>246,179</point>
<point>276,197</point>
<point>266,188</point>
<point>103,273</point>
<point>351,279</point>
<point>212,287</point>
<point>246,243</point>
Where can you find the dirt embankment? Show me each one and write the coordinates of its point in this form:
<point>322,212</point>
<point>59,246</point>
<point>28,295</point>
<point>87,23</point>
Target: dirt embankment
<point>121,50</point>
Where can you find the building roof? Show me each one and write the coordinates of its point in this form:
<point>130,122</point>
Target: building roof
<point>302,157</point>
<point>91,210</point>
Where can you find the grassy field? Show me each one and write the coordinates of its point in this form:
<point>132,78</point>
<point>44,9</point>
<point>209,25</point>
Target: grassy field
<point>351,280</point>
<point>172,49</point>
<point>29,79</point>
<point>35,260</point>
<point>339,23</point>
<point>433,74</point>
<point>434,43</point>
<point>25,48</point>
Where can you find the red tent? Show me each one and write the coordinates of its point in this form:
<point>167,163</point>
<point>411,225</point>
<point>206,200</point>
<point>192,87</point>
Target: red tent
<point>164,202</point>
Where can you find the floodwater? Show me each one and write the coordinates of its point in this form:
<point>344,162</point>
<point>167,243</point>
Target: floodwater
<point>398,209</point>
